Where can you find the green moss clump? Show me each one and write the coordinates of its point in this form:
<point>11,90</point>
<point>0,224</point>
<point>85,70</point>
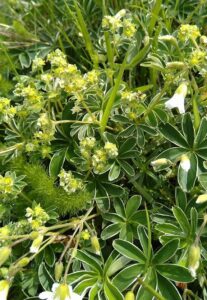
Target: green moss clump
<point>41,188</point>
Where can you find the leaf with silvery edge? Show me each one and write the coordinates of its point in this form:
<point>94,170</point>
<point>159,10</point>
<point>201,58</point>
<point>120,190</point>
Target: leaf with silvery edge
<point>111,291</point>
<point>172,154</point>
<point>175,272</point>
<point>132,205</point>
<point>203,180</point>
<point>202,132</point>
<point>188,129</point>
<point>127,276</point>
<point>181,219</point>
<point>168,289</point>
<point>129,250</point>
<point>173,135</point>
<point>166,252</point>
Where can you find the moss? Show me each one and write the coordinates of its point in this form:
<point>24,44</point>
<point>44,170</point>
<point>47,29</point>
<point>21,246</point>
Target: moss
<point>42,189</point>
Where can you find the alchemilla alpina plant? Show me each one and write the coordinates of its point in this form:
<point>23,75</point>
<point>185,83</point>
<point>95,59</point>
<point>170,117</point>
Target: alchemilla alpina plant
<point>103,134</point>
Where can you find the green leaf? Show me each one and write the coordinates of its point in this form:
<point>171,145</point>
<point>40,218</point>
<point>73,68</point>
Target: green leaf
<point>181,199</point>
<point>172,153</point>
<point>139,217</point>
<point>127,276</point>
<point>119,207</point>
<point>143,238</point>
<point>132,205</point>
<point>173,135</point>
<point>49,256</point>
<point>175,272</point>
<point>186,179</point>
<point>202,131</point>
<point>110,231</point>
<point>188,129</point>
<point>194,221</point>
<point>85,284</point>
<point>203,180</point>
<point>89,260</point>
<point>116,265</point>
<point>151,119</point>
<point>45,278</point>
<point>128,145</point>
<point>57,162</point>
<point>93,292</point>
<point>168,228</point>
<point>111,292</point>
<point>113,217</point>
<point>129,250</point>
<point>167,289</point>
<point>128,169</point>
<point>182,219</point>
<point>114,172</point>
<point>131,63</point>
<point>166,252</point>
<point>79,276</point>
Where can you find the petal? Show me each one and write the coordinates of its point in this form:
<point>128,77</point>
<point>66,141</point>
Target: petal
<point>75,296</point>
<point>46,295</point>
<point>55,286</point>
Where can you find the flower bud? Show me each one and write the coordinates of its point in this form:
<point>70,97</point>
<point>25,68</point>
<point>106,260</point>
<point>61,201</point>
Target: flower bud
<point>58,270</point>
<point>62,292</point>
<point>23,262</point>
<point>4,289</point>
<point>193,259</point>
<point>36,244</point>
<point>95,244</point>
<point>175,65</point>
<point>34,235</point>
<point>129,296</point>
<point>4,254</point>
<point>201,199</point>
<point>159,162</point>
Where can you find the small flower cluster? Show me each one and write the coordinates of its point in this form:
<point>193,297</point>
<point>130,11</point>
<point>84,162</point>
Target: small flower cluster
<point>10,185</point>
<point>69,183</point>
<point>36,216</point>
<point>187,32</point>
<point>132,102</point>
<point>33,98</point>
<point>46,129</point>
<point>101,156</point>
<point>116,22</point>
<point>7,111</point>
<point>37,64</point>
<point>197,58</point>
<point>97,156</point>
<point>86,145</point>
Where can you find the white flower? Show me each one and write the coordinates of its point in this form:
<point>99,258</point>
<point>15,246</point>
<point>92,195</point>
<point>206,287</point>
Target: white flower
<point>60,292</point>
<point>201,199</point>
<point>4,289</point>
<point>178,98</point>
<point>185,163</point>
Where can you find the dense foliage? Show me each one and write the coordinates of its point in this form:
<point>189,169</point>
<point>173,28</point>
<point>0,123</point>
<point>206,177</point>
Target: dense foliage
<point>103,150</point>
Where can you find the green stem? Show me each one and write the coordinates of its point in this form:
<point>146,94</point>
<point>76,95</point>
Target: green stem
<point>149,239</point>
<point>142,191</point>
<point>112,97</point>
<point>150,289</point>
<point>86,35</point>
